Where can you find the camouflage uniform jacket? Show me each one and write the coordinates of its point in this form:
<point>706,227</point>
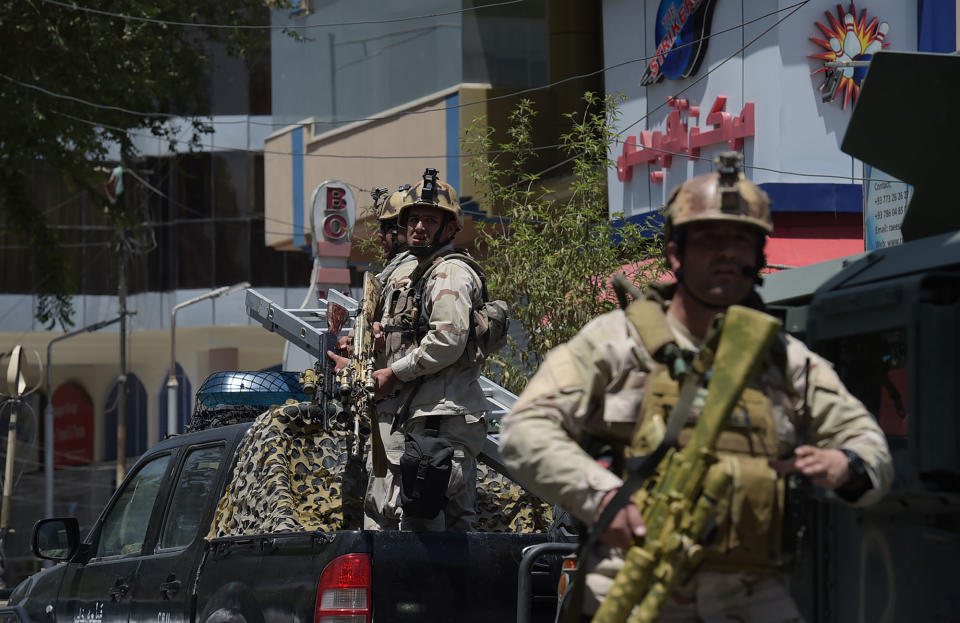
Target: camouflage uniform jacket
<point>398,259</point>
<point>450,381</point>
<point>594,386</point>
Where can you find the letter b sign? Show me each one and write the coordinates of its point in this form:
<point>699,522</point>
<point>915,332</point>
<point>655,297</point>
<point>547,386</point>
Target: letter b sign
<point>335,199</point>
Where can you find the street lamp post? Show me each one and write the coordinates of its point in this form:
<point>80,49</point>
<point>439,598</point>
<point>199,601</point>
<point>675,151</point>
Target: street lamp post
<point>172,378</point>
<point>48,416</point>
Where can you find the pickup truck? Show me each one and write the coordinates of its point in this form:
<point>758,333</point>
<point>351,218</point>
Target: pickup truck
<point>147,558</point>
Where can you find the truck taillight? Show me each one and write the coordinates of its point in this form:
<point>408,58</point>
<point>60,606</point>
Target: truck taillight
<point>343,594</point>
<point>569,567</point>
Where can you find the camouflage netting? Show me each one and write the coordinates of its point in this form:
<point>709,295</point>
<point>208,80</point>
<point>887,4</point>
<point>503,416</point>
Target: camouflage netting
<point>505,506</point>
<point>293,476</point>
<point>290,476</point>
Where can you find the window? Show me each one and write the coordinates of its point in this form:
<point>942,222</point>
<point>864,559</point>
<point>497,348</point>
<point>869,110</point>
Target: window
<point>194,488</point>
<point>873,366</point>
<point>125,526</point>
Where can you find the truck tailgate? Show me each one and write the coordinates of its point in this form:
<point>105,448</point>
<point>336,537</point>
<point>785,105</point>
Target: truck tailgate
<point>445,576</point>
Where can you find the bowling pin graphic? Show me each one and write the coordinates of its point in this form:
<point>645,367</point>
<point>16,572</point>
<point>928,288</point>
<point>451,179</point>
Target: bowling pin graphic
<point>851,44</point>
<point>877,44</point>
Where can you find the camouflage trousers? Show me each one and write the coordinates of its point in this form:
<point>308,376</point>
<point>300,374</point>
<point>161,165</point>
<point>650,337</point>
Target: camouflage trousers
<point>382,510</point>
<point>709,596</point>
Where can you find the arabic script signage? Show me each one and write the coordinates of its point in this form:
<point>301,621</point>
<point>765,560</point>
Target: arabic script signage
<point>682,31</point>
<point>678,140</point>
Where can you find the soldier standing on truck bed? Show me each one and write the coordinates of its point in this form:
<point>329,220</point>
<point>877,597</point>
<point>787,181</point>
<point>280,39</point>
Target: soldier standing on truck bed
<point>795,417</point>
<point>392,237</point>
<point>433,406</point>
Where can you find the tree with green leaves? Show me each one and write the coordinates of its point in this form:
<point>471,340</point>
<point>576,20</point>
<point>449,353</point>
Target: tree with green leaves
<point>76,79</point>
<point>553,254</point>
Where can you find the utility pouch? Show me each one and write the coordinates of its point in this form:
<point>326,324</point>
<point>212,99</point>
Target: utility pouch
<point>425,469</point>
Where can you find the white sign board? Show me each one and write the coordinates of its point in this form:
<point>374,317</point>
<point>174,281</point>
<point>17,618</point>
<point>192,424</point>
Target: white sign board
<point>885,202</point>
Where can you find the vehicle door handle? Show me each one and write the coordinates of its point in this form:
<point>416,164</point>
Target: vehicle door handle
<point>169,589</point>
<point>119,590</point>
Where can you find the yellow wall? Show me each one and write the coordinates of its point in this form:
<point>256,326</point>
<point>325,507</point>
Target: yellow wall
<point>327,157</point>
<point>90,359</point>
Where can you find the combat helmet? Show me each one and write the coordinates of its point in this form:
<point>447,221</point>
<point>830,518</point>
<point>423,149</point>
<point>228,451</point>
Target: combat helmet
<point>432,192</point>
<point>725,195</point>
<point>389,209</point>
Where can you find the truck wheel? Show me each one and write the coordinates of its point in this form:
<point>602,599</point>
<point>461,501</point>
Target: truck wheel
<point>225,615</point>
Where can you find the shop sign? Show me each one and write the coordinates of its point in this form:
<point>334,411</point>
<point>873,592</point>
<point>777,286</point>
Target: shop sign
<point>886,199</point>
<point>678,140</point>
<point>332,212</point>
<point>72,425</point>
<point>682,32</point>
<point>848,37</point>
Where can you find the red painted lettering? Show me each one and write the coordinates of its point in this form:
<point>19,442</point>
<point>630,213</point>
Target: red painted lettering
<point>335,226</point>
<point>335,198</point>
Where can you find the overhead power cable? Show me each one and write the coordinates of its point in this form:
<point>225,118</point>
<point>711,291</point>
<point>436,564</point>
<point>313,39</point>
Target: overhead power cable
<point>140,132</point>
<point>402,113</point>
<point>796,7</point>
<point>152,20</point>
<point>852,178</point>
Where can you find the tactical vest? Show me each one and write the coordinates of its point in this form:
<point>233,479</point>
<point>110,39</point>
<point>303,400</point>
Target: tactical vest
<point>404,320</point>
<point>749,527</point>
<point>401,318</point>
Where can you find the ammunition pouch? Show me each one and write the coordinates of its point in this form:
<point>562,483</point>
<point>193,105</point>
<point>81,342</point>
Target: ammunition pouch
<point>748,534</point>
<point>425,470</point>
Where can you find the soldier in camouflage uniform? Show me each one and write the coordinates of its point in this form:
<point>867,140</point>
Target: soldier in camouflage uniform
<point>591,393</point>
<point>429,371</point>
<point>392,237</point>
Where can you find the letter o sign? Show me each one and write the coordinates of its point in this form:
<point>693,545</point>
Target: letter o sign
<point>335,226</point>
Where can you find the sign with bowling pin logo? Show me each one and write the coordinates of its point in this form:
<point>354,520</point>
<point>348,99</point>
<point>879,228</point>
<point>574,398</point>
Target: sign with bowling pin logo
<point>847,37</point>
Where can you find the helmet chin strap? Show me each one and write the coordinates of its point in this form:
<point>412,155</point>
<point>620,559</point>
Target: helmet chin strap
<point>396,248</point>
<point>429,249</point>
<point>698,299</point>
<point>748,271</point>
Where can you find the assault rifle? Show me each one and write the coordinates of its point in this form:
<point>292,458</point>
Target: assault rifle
<point>320,382</point>
<point>315,330</point>
<point>357,381</point>
<point>678,505</point>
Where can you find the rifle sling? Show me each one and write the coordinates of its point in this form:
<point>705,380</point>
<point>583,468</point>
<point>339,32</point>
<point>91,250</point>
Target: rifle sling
<point>377,447</point>
<point>638,470</point>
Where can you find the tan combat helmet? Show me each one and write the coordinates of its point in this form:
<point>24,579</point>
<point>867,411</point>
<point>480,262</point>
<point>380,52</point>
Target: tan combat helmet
<point>725,195</point>
<point>390,208</point>
<point>432,192</point>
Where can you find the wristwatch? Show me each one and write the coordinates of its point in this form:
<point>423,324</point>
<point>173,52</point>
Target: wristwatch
<point>859,481</point>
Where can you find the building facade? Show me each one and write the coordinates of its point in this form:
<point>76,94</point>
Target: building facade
<point>701,77</point>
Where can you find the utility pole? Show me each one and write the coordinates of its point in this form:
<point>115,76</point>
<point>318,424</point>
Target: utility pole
<point>122,379</point>
<point>133,235</point>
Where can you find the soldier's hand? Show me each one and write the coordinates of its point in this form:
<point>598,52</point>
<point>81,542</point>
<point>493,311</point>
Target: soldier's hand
<point>379,336</point>
<point>626,525</point>
<point>337,359</point>
<point>345,344</point>
<point>385,381</point>
<point>824,467</point>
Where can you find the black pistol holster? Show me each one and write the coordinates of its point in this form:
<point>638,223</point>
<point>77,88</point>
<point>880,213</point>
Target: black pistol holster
<point>425,469</point>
